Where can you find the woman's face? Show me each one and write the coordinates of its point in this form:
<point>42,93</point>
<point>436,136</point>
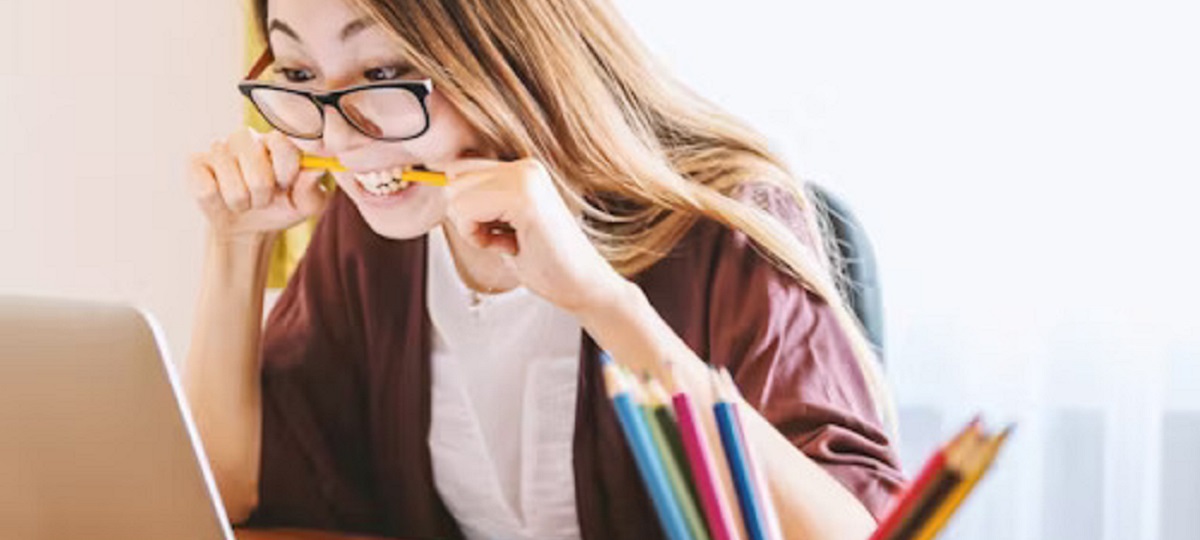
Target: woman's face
<point>324,45</point>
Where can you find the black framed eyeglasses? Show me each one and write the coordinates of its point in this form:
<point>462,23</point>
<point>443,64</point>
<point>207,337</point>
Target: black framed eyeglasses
<point>386,111</point>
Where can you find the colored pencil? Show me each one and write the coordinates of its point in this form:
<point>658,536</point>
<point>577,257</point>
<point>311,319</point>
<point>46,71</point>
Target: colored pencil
<point>920,486</point>
<point>735,454</point>
<point>717,507</point>
<point>761,488</point>
<point>975,469</point>
<point>637,435</point>
<point>409,175</point>
<point>660,403</point>
<point>666,435</point>
<point>947,479</point>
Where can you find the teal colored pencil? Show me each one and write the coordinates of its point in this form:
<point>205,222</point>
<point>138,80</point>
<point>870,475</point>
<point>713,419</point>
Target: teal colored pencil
<point>661,430</point>
<point>637,435</point>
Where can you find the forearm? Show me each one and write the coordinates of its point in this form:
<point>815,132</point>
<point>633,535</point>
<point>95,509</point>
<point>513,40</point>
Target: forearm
<point>222,373</point>
<point>631,331</point>
<point>810,502</point>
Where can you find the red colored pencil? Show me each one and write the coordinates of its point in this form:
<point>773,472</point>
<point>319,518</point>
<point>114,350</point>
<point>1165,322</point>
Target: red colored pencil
<point>908,501</point>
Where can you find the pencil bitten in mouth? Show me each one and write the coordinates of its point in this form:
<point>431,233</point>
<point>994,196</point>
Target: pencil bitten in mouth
<point>383,182</point>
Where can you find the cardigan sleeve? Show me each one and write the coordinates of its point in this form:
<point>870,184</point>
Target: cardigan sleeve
<point>313,469</point>
<point>793,361</point>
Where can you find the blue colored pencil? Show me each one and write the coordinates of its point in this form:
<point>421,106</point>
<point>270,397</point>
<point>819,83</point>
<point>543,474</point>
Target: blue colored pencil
<point>753,512</point>
<point>762,489</point>
<point>637,435</point>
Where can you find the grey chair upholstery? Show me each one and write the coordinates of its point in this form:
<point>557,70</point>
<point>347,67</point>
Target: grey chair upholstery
<point>858,264</point>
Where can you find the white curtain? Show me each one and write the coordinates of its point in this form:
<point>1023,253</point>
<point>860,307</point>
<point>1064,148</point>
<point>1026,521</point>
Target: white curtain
<point>1028,172</point>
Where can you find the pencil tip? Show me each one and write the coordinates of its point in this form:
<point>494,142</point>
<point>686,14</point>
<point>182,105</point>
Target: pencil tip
<point>612,379</point>
<point>659,393</point>
<point>727,383</point>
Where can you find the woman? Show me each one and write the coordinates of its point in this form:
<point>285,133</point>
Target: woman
<point>430,370</point>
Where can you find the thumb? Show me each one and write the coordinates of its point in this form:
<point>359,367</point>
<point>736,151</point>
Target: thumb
<point>308,195</point>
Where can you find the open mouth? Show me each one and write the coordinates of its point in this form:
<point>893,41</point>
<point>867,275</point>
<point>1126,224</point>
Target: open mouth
<point>383,183</point>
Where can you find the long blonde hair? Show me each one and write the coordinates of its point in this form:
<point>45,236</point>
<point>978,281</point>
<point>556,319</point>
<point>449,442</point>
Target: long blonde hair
<point>566,81</point>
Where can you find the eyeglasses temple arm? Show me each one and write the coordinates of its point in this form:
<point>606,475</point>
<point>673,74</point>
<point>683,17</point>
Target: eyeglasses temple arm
<point>261,64</point>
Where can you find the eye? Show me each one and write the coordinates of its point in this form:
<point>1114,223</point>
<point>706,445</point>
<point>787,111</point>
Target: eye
<point>295,75</point>
<point>385,73</point>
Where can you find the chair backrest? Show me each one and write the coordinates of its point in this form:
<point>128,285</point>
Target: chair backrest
<point>858,264</point>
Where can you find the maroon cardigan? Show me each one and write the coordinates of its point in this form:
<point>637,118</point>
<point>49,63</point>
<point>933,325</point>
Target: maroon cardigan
<point>346,400</point>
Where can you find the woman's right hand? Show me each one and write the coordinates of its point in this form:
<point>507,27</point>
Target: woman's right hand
<point>251,185</point>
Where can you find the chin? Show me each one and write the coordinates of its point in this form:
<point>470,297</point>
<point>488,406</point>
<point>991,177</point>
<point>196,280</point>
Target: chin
<point>393,229</point>
<point>400,215</point>
<point>408,216</point>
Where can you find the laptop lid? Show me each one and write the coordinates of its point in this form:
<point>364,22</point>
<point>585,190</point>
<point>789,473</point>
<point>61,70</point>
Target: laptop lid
<point>96,440</point>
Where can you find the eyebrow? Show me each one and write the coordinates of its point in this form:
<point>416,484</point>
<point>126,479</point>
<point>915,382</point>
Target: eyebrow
<point>348,31</point>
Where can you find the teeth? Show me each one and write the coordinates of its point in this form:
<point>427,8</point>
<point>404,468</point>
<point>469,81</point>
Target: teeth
<point>382,182</point>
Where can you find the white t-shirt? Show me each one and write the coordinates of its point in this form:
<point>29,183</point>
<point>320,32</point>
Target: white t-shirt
<point>504,375</point>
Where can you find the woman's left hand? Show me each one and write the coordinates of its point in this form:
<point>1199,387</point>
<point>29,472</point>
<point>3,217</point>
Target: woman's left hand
<point>546,246</point>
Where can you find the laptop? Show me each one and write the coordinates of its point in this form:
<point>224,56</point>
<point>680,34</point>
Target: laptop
<point>96,440</point>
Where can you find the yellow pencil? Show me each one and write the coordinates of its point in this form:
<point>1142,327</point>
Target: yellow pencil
<point>974,471</point>
<point>332,164</point>
<point>318,162</point>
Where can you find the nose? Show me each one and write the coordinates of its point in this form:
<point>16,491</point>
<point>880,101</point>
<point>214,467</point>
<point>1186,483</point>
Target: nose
<point>339,136</point>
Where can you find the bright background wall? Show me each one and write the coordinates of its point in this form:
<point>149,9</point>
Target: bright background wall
<point>101,102</point>
<point>1027,171</point>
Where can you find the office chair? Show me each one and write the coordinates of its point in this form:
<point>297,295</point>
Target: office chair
<point>857,264</point>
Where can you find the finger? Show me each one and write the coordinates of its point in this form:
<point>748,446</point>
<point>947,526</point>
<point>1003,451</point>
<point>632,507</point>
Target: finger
<point>484,207</point>
<point>497,239</point>
<point>510,261</point>
<point>308,195</point>
<point>256,168</point>
<point>472,218</point>
<point>454,168</point>
<point>486,186</point>
<point>203,185</point>
<point>485,222</point>
<point>285,158</point>
<point>467,182</point>
<point>465,229</point>
<point>229,178</point>
<point>526,176</point>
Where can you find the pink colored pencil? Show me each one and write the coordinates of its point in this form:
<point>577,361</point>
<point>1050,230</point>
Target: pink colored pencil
<point>695,443</point>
